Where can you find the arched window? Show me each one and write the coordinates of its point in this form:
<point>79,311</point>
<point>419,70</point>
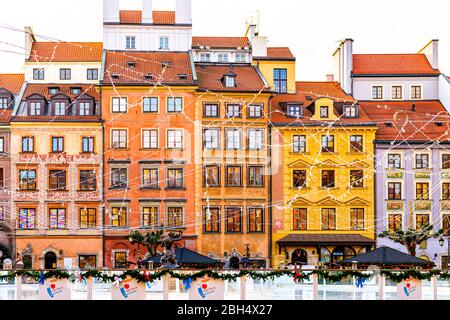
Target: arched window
<point>342,253</point>
<point>50,260</point>
<point>299,256</point>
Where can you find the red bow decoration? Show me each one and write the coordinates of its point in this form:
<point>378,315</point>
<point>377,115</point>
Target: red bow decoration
<point>147,276</point>
<point>298,277</point>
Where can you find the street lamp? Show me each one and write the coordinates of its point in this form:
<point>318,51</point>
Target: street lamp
<point>441,243</point>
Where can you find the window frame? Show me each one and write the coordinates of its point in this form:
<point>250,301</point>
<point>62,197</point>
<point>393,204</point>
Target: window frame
<point>215,225</point>
<point>65,74</point>
<point>239,222</point>
<point>257,226</point>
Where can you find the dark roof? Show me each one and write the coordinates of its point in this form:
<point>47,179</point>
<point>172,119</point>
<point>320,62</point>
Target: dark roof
<point>386,256</point>
<point>187,257</point>
<point>326,239</point>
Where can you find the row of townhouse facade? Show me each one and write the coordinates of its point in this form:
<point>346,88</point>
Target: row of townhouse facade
<point>213,136</point>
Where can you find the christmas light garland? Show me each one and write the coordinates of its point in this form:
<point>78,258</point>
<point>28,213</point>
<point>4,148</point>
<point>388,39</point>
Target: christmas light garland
<point>299,276</point>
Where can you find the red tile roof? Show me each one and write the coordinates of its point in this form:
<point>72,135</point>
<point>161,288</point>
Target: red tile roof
<point>148,63</point>
<point>12,82</point>
<point>306,94</point>
<point>159,17</point>
<point>247,78</point>
<point>408,125</point>
<point>66,52</point>
<point>277,53</point>
<point>392,64</point>
<point>5,115</point>
<point>43,90</point>
<point>221,42</point>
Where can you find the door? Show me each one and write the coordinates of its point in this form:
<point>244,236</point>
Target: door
<point>234,263</point>
<point>299,256</point>
<point>50,261</point>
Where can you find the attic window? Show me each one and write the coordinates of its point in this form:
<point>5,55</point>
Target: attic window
<point>115,75</point>
<point>438,124</point>
<point>309,98</point>
<point>351,111</point>
<point>295,110</point>
<point>388,124</point>
<point>131,64</point>
<point>148,76</point>
<point>53,90</point>
<point>166,64</point>
<point>182,76</point>
<point>230,81</point>
<point>75,90</point>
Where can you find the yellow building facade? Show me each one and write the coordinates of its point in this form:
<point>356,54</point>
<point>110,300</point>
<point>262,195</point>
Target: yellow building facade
<point>323,181</point>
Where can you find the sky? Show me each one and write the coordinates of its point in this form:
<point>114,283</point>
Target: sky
<point>311,28</point>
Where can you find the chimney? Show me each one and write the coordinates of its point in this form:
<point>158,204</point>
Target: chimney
<point>111,11</point>
<point>147,11</point>
<point>183,12</point>
<point>29,39</point>
<point>330,77</point>
<point>343,64</point>
<point>259,45</point>
<point>431,51</point>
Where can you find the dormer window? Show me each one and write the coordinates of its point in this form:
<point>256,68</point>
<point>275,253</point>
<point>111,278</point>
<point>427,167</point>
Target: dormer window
<point>35,108</point>
<point>230,81</point>
<point>75,90</point>
<point>131,64</point>
<point>84,108</point>
<point>148,76</point>
<point>294,110</point>
<point>3,103</point>
<point>115,75</point>
<point>166,64</point>
<point>60,108</point>
<point>351,111</point>
<point>182,76</point>
<point>53,91</point>
<point>324,112</point>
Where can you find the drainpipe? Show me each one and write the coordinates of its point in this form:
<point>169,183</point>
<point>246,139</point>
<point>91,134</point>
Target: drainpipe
<point>103,206</point>
<point>375,192</point>
<point>270,185</point>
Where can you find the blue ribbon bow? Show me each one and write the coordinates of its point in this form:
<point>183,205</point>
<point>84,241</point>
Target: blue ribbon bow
<point>41,278</point>
<point>187,283</point>
<point>360,282</point>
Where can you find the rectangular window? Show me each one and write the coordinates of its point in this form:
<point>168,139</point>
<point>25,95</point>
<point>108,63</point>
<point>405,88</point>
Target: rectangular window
<point>233,220</point>
<point>211,138</point>
<point>295,110</point>
<point>300,219</point>
<point>175,217</point>
<point>211,110</point>
<point>416,92</point>
<point>211,219</point>
<point>150,178</point>
<point>255,111</point>
<point>356,219</point>
<point>394,161</point>
<point>234,111</point>
<point>222,57</point>
<point>446,191</point>
<point>255,176</point>
<point>175,139</point>
<point>324,112</point>
<point>280,80</point>
<point>92,74</point>
<point>27,219</point>
<point>328,219</point>
<point>356,178</point>
<point>396,92</point>
<point>356,143</point>
<point>57,144</point>
<point>299,144</point>
<point>88,144</point>
<point>57,218</point>
<point>120,260</point>
<point>38,74</point>
<point>164,43</point>
<point>422,220</point>
<point>394,191</point>
<point>150,216</point>
<point>65,74</point>
<point>351,111</point>
<point>422,161</point>
<point>328,179</point>
<point>233,139</point>
<point>446,224</point>
<point>233,176</point>
<point>241,57</point>
<point>3,103</point>
<point>255,139</point>
<point>119,216</point>
<point>35,109</point>
<point>119,105</point>
<point>174,104</point>
<point>377,92</point>
<point>57,180</point>
<point>88,180</point>
<point>88,218</point>
<point>2,145</point>
<point>394,222</point>
<point>119,178</point>
<point>27,179</point>
<point>149,139</point>
<point>211,176</point>
<point>27,144</point>
<point>327,143</point>
<point>2,178</point>
<point>299,178</point>
<point>131,42</point>
<point>422,191</point>
<point>255,219</point>
<point>150,104</point>
<point>87,262</point>
<point>205,57</point>
<point>119,139</point>
<point>84,108</point>
<point>175,179</point>
<point>446,161</point>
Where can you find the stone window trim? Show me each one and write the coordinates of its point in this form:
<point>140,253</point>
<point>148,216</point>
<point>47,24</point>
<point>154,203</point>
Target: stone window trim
<point>113,255</point>
<point>118,204</point>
